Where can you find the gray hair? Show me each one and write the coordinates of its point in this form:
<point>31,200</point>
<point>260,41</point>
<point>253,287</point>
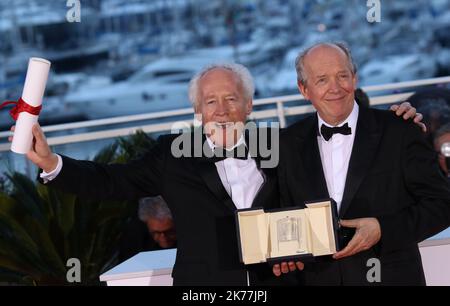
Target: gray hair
<point>445,129</point>
<point>153,207</point>
<point>300,60</point>
<point>239,70</point>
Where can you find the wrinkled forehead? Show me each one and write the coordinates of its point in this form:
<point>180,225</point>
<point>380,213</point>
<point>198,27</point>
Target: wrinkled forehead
<point>218,72</point>
<point>219,79</point>
<point>325,57</point>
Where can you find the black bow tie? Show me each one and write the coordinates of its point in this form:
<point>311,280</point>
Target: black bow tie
<point>239,152</point>
<point>327,132</point>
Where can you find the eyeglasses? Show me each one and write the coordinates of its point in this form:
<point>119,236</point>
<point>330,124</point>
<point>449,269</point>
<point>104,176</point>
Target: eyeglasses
<point>169,232</point>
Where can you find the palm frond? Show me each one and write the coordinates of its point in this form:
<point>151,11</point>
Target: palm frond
<point>41,228</point>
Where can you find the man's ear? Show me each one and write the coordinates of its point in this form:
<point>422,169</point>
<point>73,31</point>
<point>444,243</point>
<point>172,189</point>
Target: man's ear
<point>249,106</point>
<point>197,109</point>
<point>198,119</point>
<point>303,90</point>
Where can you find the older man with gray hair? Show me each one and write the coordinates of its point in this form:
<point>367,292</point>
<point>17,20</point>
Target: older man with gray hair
<point>203,192</point>
<point>152,229</point>
<point>153,211</point>
<point>380,170</point>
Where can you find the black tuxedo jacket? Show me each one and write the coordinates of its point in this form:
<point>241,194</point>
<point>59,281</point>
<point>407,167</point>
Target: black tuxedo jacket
<point>135,239</point>
<point>393,175</point>
<point>202,209</point>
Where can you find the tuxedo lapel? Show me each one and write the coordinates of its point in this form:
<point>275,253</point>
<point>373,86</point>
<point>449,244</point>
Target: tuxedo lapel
<point>208,172</point>
<point>210,176</point>
<point>365,145</point>
<point>253,137</point>
<point>308,150</point>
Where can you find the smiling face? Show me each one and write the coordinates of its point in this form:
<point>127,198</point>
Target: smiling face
<point>330,83</point>
<point>223,106</point>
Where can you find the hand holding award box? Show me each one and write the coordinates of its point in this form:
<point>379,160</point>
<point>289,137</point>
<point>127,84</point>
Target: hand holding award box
<point>292,233</point>
<point>26,111</point>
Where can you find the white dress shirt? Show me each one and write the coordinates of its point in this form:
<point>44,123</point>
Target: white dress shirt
<point>52,174</point>
<point>335,155</point>
<point>241,178</point>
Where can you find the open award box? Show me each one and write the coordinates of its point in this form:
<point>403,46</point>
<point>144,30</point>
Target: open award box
<point>287,234</point>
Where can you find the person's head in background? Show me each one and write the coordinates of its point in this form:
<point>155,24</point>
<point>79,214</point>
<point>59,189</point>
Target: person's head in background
<point>434,105</point>
<point>155,213</point>
<point>442,136</point>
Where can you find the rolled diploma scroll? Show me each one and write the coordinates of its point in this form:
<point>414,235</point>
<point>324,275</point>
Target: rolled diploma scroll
<point>33,92</point>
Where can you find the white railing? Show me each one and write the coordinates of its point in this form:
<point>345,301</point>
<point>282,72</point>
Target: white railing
<point>279,111</point>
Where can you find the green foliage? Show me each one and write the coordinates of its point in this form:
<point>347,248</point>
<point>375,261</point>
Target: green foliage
<point>41,228</point>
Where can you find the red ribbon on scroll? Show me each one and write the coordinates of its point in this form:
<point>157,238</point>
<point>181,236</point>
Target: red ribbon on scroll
<point>21,106</point>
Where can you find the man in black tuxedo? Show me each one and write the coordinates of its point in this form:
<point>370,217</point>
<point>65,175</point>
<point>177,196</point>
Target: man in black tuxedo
<point>382,173</point>
<point>202,192</point>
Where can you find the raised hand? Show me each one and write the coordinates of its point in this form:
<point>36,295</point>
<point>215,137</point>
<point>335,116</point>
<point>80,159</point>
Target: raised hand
<point>40,154</point>
<point>408,111</point>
